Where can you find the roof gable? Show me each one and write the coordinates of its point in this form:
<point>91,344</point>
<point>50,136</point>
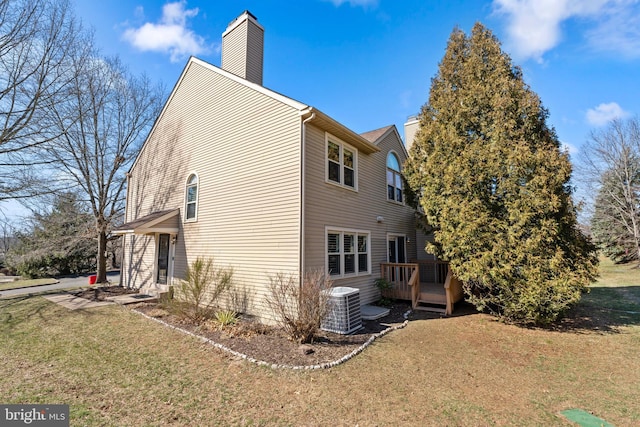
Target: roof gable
<point>374,135</point>
<point>273,94</point>
<point>305,111</point>
<point>377,135</point>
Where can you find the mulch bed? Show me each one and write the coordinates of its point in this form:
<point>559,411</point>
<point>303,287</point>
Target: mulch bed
<point>267,343</point>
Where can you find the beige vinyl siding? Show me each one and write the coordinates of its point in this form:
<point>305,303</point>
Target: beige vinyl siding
<point>172,222</point>
<point>138,261</point>
<point>234,50</point>
<point>245,148</point>
<point>422,240</point>
<point>255,43</point>
<point>328,205</point>
<point>242,51</point>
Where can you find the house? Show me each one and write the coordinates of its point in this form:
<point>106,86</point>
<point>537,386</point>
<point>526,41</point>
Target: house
<point>262,183</point>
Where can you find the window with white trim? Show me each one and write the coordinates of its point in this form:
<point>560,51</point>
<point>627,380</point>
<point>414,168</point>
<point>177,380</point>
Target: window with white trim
<point>394,179</point>
<point>342,163</point>
<point>191,198</point>
<point>348,253</point>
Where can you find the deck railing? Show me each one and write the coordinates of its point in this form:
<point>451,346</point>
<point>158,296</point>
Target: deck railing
<point>414,283</point>
<point>399,275</point>
<point>433,271</point>
<point>409,281</point>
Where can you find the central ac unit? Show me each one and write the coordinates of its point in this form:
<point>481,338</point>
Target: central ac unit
<point>343,316</point>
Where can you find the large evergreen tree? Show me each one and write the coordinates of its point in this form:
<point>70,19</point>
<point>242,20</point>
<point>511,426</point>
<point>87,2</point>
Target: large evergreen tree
<point>59,241</point>
<point>493,183</point>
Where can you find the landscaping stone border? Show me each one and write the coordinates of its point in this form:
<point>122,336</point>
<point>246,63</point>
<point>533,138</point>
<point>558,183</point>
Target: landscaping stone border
<point>243,356</point>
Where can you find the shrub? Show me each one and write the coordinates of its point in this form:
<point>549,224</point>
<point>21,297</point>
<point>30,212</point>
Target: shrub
<point>7,271</point>
<point>197,294</point>
<point>385,288</point>
<point>226,318</point>
<point>300,307</point>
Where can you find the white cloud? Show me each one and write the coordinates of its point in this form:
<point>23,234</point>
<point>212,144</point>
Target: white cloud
<point>170,35</point>
<point>618,30</point>
<point>604,113</point>
<point>353,3</point>
<point>534,26</point>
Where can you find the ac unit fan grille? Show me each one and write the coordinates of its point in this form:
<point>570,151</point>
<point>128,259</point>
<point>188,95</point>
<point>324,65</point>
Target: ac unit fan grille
<point>343,316</point>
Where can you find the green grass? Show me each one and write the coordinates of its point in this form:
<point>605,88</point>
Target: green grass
<point>25,283</point>
<point>116,368</point>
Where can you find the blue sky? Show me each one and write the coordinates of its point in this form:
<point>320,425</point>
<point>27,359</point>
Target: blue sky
<point>369,63</point>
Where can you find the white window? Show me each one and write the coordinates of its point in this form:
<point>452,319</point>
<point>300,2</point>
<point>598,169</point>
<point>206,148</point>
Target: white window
<point>342,163</point>
<point>348,252</point>
<point>394,179</point>
<point>191,198</point>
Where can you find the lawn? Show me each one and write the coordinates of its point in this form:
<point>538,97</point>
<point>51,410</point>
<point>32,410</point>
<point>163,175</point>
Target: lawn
<point>114,367</point>
<point>25,283</point>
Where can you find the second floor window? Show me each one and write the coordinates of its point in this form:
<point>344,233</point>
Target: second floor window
<point>341,164</point>
<point>192,198</point>
<point>394,179</point>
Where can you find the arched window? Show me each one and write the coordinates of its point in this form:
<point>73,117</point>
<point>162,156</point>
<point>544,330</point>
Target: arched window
<point>394,179</point>
<point>192,198</point>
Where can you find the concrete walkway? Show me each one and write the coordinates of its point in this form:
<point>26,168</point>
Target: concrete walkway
<point>63,283</point>
<point>75,303</point>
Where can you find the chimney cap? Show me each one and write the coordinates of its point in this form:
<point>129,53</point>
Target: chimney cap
<point>246,15</point>
<point>242,15</point>
<point>250,14</point>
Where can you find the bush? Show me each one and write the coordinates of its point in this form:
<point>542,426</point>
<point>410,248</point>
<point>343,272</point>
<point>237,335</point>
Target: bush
<point>300,308</point>
<point>226,318</point>
<point>7,271</point>
<point>196,295</point>
<point>385,288</point>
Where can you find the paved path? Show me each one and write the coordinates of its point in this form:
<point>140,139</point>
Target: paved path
<point>74,303</point>
<point>64,283</point>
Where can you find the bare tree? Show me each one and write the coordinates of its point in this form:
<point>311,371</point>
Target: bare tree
<point>102,124</point>
<point>611,165</point>
<point>36,40</point>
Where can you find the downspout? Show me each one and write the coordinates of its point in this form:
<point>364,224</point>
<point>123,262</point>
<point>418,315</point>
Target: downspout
<point>124,236</point>
<point>302,185</point>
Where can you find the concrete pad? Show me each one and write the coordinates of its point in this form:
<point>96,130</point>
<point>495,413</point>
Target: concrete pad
<point>74,303</point>
<point>131,298</point>
<point>373,312</point>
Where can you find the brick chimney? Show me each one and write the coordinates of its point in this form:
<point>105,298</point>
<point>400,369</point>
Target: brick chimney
<point>243,46</point>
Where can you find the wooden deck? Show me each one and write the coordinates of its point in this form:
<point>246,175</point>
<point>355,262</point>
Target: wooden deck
<point>429,285</point>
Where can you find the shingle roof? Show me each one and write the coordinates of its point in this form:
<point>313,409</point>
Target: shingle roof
<point>145,220</point>
<point>374,135</point>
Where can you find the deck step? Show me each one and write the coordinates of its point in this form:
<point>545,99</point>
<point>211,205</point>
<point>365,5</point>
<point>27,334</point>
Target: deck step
<point>431,298</point>
<point>435,305</point>
<point>431,309</point>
